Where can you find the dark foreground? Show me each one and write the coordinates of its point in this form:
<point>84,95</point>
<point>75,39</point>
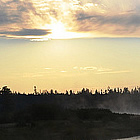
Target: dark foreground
<point>54,123</point>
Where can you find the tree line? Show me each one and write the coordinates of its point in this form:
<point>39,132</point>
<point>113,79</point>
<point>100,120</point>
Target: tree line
<point>85,91</point>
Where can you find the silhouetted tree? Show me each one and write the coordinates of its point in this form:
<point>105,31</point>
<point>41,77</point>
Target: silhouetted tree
<point>51,91</point>
<point>110,91</point>
<point>115,90</point>
<point>126,91</point>
<point>67,92</point>
<point>96,92</point>
<point>5,90</point>
<point>71,92</point>
<point>87,91</point>
<point>132,91</point>
<point>135,91</point>
<point>101,91</point>
<point>56,92</point>
<point>118,90</point>
<point>83,90</point>
<point>105,91</point>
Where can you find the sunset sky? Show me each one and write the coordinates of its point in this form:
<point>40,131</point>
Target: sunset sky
<point>69,44</point>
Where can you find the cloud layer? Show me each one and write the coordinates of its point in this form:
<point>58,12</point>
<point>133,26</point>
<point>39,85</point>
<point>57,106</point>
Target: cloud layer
<point>105,18</point>
<point>27,32</point>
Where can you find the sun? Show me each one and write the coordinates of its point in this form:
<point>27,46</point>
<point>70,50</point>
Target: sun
<point>59,31</point>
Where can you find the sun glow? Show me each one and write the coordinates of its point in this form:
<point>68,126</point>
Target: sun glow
<point>59,31</point>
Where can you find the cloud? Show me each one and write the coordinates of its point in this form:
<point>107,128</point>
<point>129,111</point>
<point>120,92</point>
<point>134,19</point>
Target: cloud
<point>48,68</point>
<point>34,17</point>
<point>31,75</point>
<point>63,71</point>
<point>20,18</point>
<point>113,72</point>
<point>75,67</point>
<point>92,68</point>
<point>112,18</point>
<point>39,39</point>
<point>15,11</point>
<point>112,24</point>
<point>27,32</point>
<point>88,68</point>
<point>103,69</point>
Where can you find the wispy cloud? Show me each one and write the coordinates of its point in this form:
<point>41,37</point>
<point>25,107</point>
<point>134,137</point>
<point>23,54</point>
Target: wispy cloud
<point>31,75</point>
<point>47,68</point>
<point>63,71</point>
<point>104,69</point>
<point>40,39</point>
<point>101,70</point>
<point>128,23</point>
<point>113,72</point>
<point>75,67</point>
<point>88,68</point>
<point>92,68</point>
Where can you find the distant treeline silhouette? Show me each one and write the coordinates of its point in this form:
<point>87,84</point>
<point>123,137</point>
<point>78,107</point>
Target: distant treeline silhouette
<point>116,100</point>
<point>6,91</point>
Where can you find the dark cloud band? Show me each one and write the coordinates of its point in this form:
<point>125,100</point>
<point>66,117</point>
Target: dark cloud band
<point>27,32</point>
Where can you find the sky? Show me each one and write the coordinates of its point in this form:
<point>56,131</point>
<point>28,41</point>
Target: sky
<point>69,44</point>
<point>43,19</point>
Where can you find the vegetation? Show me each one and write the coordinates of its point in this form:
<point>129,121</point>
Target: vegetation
<point>54,123</point>
<point>69,116</point>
